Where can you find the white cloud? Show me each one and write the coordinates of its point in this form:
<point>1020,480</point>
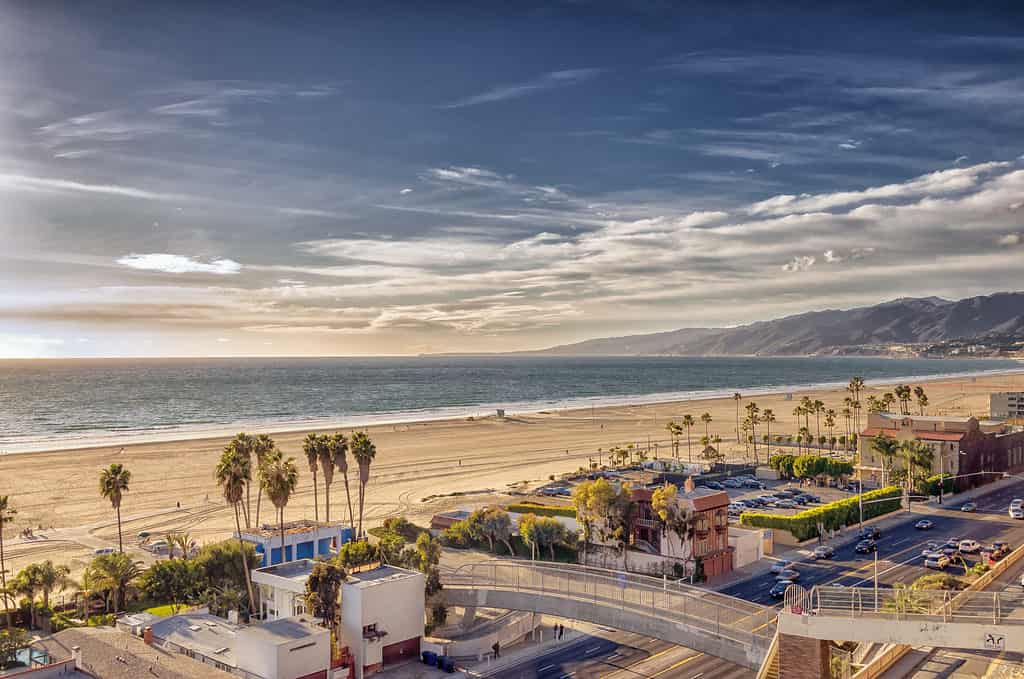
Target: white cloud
<point>850,145</point>
<point>25,182</point>
<point>959,159</point>
<point>799,263</point>
<point>1010,240</point>
<point>832,258</point>
<point>179,264</point>
<point>405,191</point>
<point>309,212</point>
<point>547,81</point>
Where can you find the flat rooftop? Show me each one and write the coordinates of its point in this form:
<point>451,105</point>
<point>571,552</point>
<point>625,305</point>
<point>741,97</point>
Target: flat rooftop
<point>379,575</point>
<point>206,634</point>
<point>285,630</point>
<point>268,530</point>
<point>291,570</point>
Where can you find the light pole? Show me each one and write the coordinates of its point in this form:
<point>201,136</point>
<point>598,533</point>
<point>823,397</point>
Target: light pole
<point>876,579</point>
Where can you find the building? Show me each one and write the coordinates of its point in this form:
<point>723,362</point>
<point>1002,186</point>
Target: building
<point>287,648</point>
<point>302,540</point>
<point>107,653</point>
<point>965,447</point>
<point>382,615</point>
<point>1006,405</point>
<point>281,589</point>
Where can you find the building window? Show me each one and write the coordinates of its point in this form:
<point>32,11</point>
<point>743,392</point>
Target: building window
<point>369,630</point>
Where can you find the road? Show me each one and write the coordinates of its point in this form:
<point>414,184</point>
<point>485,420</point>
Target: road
<point>900,547</point>
<point>619,655</point>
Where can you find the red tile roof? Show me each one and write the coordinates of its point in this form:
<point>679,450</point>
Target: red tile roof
<point>924,435</point>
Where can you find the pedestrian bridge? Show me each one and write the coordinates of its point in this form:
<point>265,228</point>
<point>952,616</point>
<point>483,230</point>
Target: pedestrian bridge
<point>713,623</point>
<point>967,620</point>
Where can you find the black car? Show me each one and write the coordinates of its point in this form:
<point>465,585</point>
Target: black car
<point>714,485</point>
<point>778,590</point>
<point>869,533</point>
<point>866,547</point>
<point>812,498</point>
<point>800,499</point>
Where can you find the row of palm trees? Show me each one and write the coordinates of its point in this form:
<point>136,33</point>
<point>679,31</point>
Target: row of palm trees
<point>917,457</point>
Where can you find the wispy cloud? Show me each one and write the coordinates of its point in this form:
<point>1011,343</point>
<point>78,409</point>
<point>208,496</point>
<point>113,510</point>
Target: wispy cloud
<point>16,181</point>
<point>548,81</point>
<point>179,264</point>
<point>310,212</point>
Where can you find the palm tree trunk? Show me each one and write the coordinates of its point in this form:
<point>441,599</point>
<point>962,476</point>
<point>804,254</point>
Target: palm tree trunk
<point>351,515</point>
<point>3,574</point>
<point>362,497</point>
<point>281,514</point>
<point>259,498</point>
<point>245,563</point>
<point>248,505</point>
<point>316,501</point>
<point>120,544</point>
<point>327,501</point>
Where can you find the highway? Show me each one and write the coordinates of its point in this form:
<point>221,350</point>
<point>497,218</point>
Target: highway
<point>620,655</point>
<point>900,547</point>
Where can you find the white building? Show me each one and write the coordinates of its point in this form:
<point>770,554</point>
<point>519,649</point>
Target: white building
<point>1006,404</point>
<point>289,648</point>
<point>382,616</point>
<point>303,539</point>
<point>281,589</point>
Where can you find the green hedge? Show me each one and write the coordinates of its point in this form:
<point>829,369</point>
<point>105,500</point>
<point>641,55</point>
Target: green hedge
<point>845,512</point>
<point>930,486</point>
<point>542,510</point>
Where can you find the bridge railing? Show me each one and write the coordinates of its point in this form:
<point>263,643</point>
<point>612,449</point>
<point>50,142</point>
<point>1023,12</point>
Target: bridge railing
<point>701,609</point>
<point>909,604</point>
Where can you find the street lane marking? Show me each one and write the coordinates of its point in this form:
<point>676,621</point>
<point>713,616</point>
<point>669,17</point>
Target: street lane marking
<point>546,667</point>
<point>593,648</point>
<point>678,664</point>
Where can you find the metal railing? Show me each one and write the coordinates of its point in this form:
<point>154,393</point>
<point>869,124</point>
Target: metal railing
<point>910,604</point>
<point>723,616</point>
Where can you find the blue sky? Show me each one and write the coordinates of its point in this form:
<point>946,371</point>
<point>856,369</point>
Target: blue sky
<point>368,178</point>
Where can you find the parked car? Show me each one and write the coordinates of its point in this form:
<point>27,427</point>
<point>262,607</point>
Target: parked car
<point>1016,513</point>
<point>788,574</point>
<point>1017,502</point>
<point>732,483</point>
<point>768,500</point>
<point>951,547</point>
<point>869,533</point>
<point>800,499</point>
<point>101,551</point>
<point>999,549</point>
<point>969,546</point>
<point>931,548</point>
<point>968,507</point>
<point>781,565</point>
<point>823,552</point>
<point>753,483</point>
<point>866,547</point>
<point>565,492</point>
<point>550,491</point>
<point>812,498</point>
<point>778,590</point>
<point>785,504</point>
<point>924,524</point>
<point>142,535</point>
<point>937,561</point>
<point>714,485</point>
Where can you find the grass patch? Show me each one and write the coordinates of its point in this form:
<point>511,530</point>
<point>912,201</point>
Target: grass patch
<point>542,510</point>
<point>166,609</point>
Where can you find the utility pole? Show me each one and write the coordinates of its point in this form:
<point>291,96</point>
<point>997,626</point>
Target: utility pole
<point>876,579</point>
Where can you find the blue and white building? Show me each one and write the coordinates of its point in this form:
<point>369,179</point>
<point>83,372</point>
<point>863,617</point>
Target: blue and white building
<point>302,540</point>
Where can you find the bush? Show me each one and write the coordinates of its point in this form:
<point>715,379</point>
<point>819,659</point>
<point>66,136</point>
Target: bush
<point>542,510</point>
<point>930,486</point>
<point>398,526</point>
<point>845,512</point>
<point>941,581</point>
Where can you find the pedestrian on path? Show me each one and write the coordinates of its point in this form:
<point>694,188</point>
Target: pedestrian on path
<point>497,649</point>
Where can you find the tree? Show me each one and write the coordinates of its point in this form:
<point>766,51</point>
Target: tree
<point>672,429</point>
<point>243,445</point>
<point>918,457</point>
<point>339,453</point>
<point>768,417</point>
<point>591,500</point>
<point>177,581</point>
<point>753,414</point>
<point>798,412</point>
<point>497,525</point>
<point>688,423</point>
<point>922,399</point>
<point>12,640</point>
<point>323,587</point>
<point>855,387</point>
<point>279,479</point>
<point>225,566</point>
<point>540,532</point>
<point>887,401</point>
<point>311,446</point>
<point>233,473</point>
<point>903,395</point>
<point>114,482</point>
<point>357,553</point>
<point>262,447</point>
<point>7,513</point>
<point>737,397</point>
<point>706,419</point>
<point>114,573</point>
<point>364,451</point>
<point>887,448</point>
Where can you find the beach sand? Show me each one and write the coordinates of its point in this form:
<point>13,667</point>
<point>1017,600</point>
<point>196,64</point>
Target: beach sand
<point>482,457</point>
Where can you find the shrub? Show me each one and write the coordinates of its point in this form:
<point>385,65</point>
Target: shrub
<point>542,510</point>
<point>845,512</point>
<point>941,581</point>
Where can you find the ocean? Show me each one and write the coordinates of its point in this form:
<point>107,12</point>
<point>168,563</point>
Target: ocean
<point>49,404</point>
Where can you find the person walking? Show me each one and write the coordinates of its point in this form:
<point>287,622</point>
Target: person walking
<point>497,649</point>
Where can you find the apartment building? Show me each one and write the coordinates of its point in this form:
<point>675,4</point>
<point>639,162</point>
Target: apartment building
<point>1006,405</point>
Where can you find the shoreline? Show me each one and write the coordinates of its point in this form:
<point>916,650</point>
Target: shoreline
<point>91,441</point>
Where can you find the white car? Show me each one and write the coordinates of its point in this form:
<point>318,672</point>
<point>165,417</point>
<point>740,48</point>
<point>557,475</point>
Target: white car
<point>938,561</point>
<point>969,546</point>
<point>1017,502</point>
<point>103,551</point>
<point>1016,513</point>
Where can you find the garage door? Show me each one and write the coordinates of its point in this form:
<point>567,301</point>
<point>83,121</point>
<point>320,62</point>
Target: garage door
<point>403,650</point>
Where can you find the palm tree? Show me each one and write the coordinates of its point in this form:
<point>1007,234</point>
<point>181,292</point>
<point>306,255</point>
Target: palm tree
<point>279,477</point>
<point>706,419</point>
<point>114,482</point>
<point>688,423</point>
<point>737,397</point>
<point>6,514</point>
<point>243,444</point>
<point>233,473</point>
<point>753,412</point>
<point>818,408</point>
<point>887,401</point>
<point>311,449</point>
<point>802,435</point>
<point>26,584</point>
<point>886,447</point>
<point>339,453</point>
<point>364,451</point>
<point>830,422</point>
<point>768,417</point>
<point>262,446</point>
<point>671,428</point>
<point>114,572</point>
<point>922,398</point>
<point>855,387</point>
<point>49,578</point>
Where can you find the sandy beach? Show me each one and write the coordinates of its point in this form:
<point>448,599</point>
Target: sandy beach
<point>481,457</point>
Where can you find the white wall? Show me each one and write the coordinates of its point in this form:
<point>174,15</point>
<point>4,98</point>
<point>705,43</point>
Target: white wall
<point>294,658</point>
<point>395,606</point>
<point>748,546</point>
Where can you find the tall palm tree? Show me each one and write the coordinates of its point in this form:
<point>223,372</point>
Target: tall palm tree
<point>706,419</point>
<point>922,398</point>
<point>262,446</point>
<point>768,417</point>
<point>818,408</point>
<point>243,444</point>
<point>49,578</point>
<point>279,477</point>
<point>311,446</point>
<point>26,584</point>
<point>7,512</point>
<point>339,455</point>
<point>114,482</point>
<point>830,422</point>
<point>886,447</point>
<point>753,412</point>
<point>688,423</point>
<point>855,387</point>
<point>364,451</point>
<point>233,473</point>
<point>670,427</point>
<point>737,397</point>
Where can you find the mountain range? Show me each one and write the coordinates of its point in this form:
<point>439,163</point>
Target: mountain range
<point>862,330</point>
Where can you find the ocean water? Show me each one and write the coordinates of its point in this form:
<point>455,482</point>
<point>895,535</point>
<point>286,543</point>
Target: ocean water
<point>53,404</point>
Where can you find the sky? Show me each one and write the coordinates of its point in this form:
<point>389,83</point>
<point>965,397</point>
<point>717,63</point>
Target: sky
<point>219,179</point>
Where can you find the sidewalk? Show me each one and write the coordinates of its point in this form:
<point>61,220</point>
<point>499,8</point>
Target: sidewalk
<point>849,534</point>
<point>515,655</point>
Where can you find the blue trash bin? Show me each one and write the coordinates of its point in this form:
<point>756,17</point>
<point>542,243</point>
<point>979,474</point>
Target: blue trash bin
<point>440,661</point>
<point>449,665</point>
<point>429,657</point>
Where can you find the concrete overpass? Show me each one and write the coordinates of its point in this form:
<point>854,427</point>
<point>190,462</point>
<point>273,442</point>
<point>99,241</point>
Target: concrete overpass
<point>716,624</point>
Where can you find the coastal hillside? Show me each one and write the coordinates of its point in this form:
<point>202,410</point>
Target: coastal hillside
<point>923,325</point>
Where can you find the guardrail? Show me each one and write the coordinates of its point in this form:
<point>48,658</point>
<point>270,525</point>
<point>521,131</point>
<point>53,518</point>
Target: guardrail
<point>710,612</point>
